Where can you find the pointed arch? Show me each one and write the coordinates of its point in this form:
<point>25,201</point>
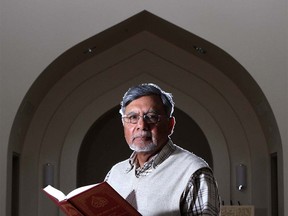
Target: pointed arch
<point>87,80</point>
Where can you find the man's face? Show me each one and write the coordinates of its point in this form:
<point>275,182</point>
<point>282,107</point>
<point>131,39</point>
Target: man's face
<point>143,136</point>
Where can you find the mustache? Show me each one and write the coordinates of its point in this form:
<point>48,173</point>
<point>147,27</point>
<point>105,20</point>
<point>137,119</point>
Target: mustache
<point>142,134</point>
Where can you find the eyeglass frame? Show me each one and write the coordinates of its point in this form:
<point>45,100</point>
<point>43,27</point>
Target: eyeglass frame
<point>128,117</point>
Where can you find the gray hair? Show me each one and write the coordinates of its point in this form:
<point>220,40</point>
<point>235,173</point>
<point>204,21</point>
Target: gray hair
<point>146,89</point>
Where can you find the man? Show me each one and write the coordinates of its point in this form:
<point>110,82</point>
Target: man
<point>160,178</point>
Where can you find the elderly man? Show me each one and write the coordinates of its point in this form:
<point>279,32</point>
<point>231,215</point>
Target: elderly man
<point>160,178</point>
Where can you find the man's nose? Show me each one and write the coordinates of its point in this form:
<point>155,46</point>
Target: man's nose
<point>142,123</point>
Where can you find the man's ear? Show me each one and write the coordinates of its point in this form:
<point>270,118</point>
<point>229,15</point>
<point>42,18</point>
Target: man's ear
<point>172,123</point>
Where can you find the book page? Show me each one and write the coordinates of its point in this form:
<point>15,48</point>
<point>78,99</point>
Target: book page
<point>79,190</point>
<point>60,196</point>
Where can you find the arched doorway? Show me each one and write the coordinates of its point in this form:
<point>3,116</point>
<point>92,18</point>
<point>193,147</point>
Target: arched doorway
<point>82,84</point>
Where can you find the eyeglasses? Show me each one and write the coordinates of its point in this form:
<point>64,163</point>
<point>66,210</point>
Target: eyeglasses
<point>150,118</point>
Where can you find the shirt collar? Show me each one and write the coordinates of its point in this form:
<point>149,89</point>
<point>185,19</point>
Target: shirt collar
<point>157,159</point>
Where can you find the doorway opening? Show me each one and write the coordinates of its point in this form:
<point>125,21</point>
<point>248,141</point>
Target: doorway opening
<point>274,184</point>
<point>15,184</point>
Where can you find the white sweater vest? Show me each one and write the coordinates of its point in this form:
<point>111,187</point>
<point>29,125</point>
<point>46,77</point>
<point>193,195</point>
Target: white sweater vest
<point>159,192</point>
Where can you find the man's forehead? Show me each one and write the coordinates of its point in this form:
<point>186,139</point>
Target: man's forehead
<point>144,107</point>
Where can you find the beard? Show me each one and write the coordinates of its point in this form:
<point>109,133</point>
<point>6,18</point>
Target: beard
<point>146,148</point>
<point>142,147</point>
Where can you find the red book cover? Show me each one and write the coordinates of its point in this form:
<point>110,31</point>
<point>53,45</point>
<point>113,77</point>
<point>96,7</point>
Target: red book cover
<point>69,209</point>
<point>93,200</point>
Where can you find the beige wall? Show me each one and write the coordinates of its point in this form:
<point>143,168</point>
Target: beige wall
<point>34,33</point>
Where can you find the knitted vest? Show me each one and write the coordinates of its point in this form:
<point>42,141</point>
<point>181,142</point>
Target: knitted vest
<point>159,192</point>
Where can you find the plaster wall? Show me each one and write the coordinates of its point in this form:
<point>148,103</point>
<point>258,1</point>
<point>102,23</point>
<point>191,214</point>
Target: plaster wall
<point>34,33</point>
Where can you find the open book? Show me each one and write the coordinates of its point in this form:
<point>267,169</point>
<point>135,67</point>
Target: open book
<point>91,200</point>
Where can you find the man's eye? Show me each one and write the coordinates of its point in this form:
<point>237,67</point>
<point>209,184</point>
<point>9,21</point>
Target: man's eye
<point>152,116</point>
<point>133,117</point>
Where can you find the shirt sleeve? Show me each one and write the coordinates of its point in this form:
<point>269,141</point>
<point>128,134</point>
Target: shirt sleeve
<point>201,197</point>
